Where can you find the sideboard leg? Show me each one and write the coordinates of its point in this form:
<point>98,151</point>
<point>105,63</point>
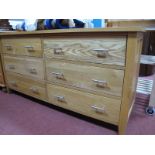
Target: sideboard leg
<point>122,129</point>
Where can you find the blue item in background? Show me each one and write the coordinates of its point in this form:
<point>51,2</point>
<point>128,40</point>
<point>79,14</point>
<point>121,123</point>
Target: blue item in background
<point>48,23</point>
<point>59,24</point>
<point>98,23</point>
<point>78,23</point>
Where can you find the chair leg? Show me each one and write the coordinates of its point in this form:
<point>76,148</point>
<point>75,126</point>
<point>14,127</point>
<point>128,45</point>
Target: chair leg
<point>151,107</point>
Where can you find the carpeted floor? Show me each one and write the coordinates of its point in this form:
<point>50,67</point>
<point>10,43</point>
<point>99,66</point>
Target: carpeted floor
<point>20,115</point>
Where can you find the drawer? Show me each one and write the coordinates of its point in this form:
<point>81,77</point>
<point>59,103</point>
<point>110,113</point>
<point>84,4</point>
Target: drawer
<point>14,64</point>
<point>34,67</point>
<point>108,50</point>
<point>26,85</point>
<point>94,79</point>
<point>27,66</point>
<point>21,46</point>
<point>99,107</point>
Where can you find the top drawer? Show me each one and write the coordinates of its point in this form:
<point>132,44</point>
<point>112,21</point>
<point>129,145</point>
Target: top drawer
<point>22,46</point>
<point>107,50</point>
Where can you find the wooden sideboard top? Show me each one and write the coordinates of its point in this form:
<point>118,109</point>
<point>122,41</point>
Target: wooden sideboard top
<point>75,30</point>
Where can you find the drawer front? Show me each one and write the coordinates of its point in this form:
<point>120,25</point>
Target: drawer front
<point>27,66</point>
<point>14,64</point>
<point>94,79</point>
<point>108,50</point>
<point>28,46</point>
<point>26,85</point>
<point>34,67</point>
<point>99,107</point>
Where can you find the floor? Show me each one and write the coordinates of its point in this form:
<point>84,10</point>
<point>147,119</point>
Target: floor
<point>21,115</point>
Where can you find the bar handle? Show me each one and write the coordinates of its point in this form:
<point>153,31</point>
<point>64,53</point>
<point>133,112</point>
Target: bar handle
<point>33,71</point>
<point>34,90</point>
<point>98,109</point>
<point>100,83</point>
<point>11,67</point>
<point>59,75</point>
<point>58,51</point>
<point>8,47</point>
<point>101,53</point>
<point>60,98</point>
<point>29,47</point>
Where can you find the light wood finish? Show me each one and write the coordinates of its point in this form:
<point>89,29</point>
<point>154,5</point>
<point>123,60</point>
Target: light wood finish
<point>134,47</point>
<point>14,64</point>
<point>34,67</point>
<point>20,46</point>
<point>27,66</point>
<point>82,96</point>
<point>98,107</point>
<point>106,50</point>
<point>74,30</point>
<point>95,79</point>
<point>26,85</point>
<point>130,23</point>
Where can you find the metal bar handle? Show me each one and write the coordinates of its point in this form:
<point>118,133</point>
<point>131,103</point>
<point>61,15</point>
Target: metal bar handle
<point>101,50</point>
<point>34,90</point>
<point>59,75</point>
<point>60,98</point>
<point>28,47</point>
<point>100,83</point>
<point>103,53</point>
<point>58,51</point>
<point>9,47</point>
<point>11,67</point>
<point>33,71</point>
<point>98,109</point>
<point>56,73</point>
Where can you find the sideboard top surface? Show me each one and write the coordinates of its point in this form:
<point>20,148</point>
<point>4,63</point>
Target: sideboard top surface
<point>75,30</point>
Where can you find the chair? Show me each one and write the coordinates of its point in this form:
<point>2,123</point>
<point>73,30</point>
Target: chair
<point>147,86</point>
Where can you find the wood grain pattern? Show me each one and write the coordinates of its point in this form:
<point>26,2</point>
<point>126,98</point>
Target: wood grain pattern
<point>26,85</point>
<point>104,109</point>
<point>25,66</point>
<point>34,67</point>
<point>109,55</point>
<point>99,80</point>
<point>134,47</point>
<point>20,46</point>
<point>108,50</point>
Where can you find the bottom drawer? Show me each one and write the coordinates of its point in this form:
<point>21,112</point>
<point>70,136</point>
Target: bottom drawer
<point>95,106</point>
<point>26,85</point>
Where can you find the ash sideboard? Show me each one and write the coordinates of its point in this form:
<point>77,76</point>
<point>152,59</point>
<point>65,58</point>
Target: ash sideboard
<point>89,71</point>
